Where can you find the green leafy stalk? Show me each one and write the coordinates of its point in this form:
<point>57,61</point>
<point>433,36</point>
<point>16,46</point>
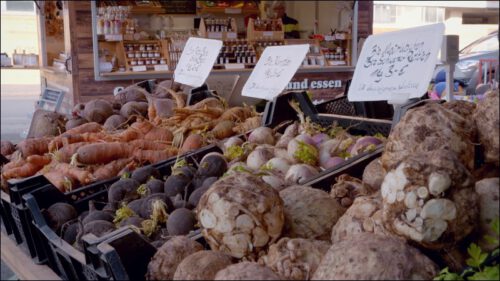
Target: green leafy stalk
<point>123,213</point>
<point>143,190</point>
<point>234,152</point>
<point>306,153</point>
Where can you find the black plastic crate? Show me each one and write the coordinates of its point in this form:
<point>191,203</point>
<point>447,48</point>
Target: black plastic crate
<point>7,220</point>
<point>198,94</point>
<point>67,261</point>
<point>111,261</point>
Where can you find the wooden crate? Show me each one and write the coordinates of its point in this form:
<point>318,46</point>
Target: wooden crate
<point>221,35</point>
<point>254,35</point>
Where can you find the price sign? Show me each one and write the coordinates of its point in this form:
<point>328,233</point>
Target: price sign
<point>161,67</point>
<point>197,60</point>
<point>274,70</point>
<point>396,65</point>
<point>139,68</point>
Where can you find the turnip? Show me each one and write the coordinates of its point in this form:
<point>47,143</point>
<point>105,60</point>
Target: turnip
<point>259,158</point>
<point>278,165</point>
<point>319,139</point>
<point>290,132</point>
<point>247,271</point>
<point>429,198</point>
<point>164,263</point>
<point>275,181</point>
<point>332,162</point>
<point>364,144</point>
<point>303,152</point>
<point>373,257</point>
<point>326,150</point>
<point>262,135</point>
<point>296,258</point>
<point>299,173</point>
<point>202,265</point>
<point>240,215</point>
<point>309,213</point>
<point>305,138</point>
<point>232,141</point>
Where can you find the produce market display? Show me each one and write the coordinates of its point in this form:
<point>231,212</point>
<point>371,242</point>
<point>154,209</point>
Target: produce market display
<point>244,209</point>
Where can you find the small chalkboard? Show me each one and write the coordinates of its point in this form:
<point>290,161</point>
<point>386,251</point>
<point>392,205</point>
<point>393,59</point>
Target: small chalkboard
<point>179,6</point>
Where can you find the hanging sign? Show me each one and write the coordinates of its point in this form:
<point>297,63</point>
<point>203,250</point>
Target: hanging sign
<point>274,70</point>
<point>197,60</point>
<point>396,65</point>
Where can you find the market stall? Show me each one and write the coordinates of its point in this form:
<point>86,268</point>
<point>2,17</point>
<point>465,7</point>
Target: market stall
<point>167,180</point>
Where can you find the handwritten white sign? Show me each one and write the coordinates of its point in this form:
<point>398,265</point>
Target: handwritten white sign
<point>197,60</point>
<point>274,70</point>
<point>396,65</point>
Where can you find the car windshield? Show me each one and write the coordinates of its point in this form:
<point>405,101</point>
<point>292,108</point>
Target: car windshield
<point>490,43</point>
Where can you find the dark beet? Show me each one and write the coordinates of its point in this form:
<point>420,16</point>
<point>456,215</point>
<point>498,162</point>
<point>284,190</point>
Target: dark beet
<point>155,186</point>
<point>123,190</point>
<point>83,215</point>
<point>98,227</point>
<point>70,233</point>
<point>143,174</point>
<point>136,205</point>
<point>59,214</point>
<point>196,196</point>
<point>187,171</point>
<point>198,181</point>
<point>212,165</point>
<point>110,207</point>
<point>209,181</point>
<point>175,184</point>
<point>147,205</point>
<point>95,214</point>
<point>135,220</point>
<point>180,222</point>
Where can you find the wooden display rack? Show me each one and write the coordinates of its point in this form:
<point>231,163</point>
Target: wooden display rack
<point>255,35</point>
<point>221,35</point>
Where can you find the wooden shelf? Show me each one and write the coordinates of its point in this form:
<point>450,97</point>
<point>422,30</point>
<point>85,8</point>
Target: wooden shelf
<point>128,73</point>
<point>229,11</point>
<point>22,265</point>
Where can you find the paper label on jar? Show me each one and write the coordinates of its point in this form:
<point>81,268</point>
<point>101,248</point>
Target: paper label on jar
<point>215,35</point>
<point>196,61</point>
<point>396,63</point>
<point>161,67</point>
<point>232,35</point>
<point>274,70</point>
<point>268,34</point>
<point>139,68</point>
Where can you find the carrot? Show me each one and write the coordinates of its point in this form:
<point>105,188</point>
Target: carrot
<point>237,114</point>
<point>14,164</point>
<point>127,135</point>
<point>142,126</point>
<point>61,141</point>
<point>39,160</point>
<point>154,156</point>
<point>101,153</point>
<point>111,169</point>
<point>148,145</point>
<point>23,171</point>
<point>91,127</point>
<point>34,146</point>
<point>83,176</point>
<point>159,134</point>
<point>60,181</point>
<point>64,154</point>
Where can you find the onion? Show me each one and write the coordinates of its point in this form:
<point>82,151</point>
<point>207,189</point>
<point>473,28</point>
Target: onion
<point>279,165</point>
<point>299,173</point>
<point>319,139</point>
<point>332,162</point>
<point>364,144</point>
<point>262,135</point>
<point>258,158</point>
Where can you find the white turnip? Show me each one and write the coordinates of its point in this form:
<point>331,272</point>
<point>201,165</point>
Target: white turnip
<point>487,120</point>
<point>262,135</point>
<point>299,173</point>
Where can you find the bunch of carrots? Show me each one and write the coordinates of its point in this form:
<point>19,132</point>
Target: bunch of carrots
<point>88,153</point>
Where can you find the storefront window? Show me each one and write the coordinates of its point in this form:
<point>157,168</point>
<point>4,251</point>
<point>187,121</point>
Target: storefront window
<point>433,14</point>
<point>18,6</point>
<point>384,13</point>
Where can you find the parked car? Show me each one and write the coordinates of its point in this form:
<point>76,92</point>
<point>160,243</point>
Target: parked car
<point>467,67</point>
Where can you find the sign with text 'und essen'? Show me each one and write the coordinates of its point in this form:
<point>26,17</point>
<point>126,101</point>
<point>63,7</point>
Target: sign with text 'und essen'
<point>274,70</point>
<point>197,60</point>
<point>396,65</point>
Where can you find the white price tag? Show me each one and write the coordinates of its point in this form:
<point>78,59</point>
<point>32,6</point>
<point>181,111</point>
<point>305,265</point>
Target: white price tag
<point>397,63</point>
<point>161,67</point>
<point>267,34</point>
<point>214,35</point>
<point>139,68</point>
<point>232,10</point>
<point>274,70</point>
<point>234,65</point>
<point>197,60</point>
